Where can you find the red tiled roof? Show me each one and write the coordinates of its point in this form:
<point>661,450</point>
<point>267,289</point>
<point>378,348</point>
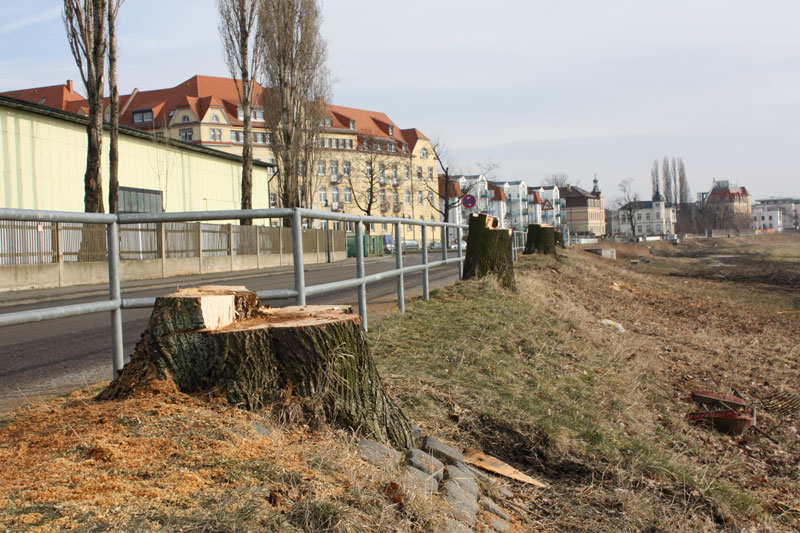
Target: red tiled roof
<point>729,195</point>
<point>63,97</point>
<point>455,188</point>
<point>499,192</point>
<point>537,198</point>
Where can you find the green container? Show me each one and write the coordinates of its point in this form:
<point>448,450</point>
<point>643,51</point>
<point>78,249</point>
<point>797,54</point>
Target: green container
<point>373,245</point>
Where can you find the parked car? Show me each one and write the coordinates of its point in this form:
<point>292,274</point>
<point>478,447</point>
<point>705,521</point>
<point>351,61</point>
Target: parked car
<point>454,246</point>
<point>435,246</point>
<point>411,244</point>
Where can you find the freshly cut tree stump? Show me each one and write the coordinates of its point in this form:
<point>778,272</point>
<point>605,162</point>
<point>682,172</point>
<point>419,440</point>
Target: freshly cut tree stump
<point>307,360</point>
<point>489,250</point>
<point>559,239</point>
<point>541,239</point>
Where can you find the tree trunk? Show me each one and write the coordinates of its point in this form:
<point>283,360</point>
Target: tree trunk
<point>559,239</point>
<point>312,363</point>
<point>488,250</point>
<point>541,239</point>
<point>113,91</point>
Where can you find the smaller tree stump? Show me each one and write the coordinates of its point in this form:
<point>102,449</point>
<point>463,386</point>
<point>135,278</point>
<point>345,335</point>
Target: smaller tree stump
<point>541,239</point>
<point>308,360</point>
<point>559,238</point>
<point>489,250</point>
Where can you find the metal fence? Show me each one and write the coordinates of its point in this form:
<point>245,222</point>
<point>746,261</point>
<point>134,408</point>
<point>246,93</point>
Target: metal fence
<point>181,239</point>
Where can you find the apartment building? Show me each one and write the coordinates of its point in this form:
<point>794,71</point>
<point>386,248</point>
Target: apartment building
<point>584,211</point>
<point>767,218</point>
<point>363,162</point>
<point>789,208</point>
<point>645,218</point>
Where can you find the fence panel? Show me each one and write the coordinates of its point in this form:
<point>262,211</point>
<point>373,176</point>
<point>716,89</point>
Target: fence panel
<point>28,243</point>
<point>245,239</point>
<point>83,242</point>
<point>138,241</point>
<point>215,239</point>
<point>181,239</point>
<point>269,240</point>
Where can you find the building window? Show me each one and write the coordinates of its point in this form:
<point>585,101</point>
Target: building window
<point>349,144</point>
<point>369,169</point>
<point>391,130</point>
<point>352,124</point>
<point>185,135</point>
<point>419,197</point>
<point>424,153</point>
<point>639,217</point>
<point>638,229</point>
<point>273,199</point>
<point>383,196</point>
<point>132,200</point>
<point>408,197</point>
<point>647,215</point>
<point>396,197</point>
<point>237,136</point>
<point>335,194</point>
<point>382,170</point>
<point>394,171</point>
<point>321,168</point>
<point>268,138</point>
<point>346,168</point>
<point>327,142</point>
<point>239,113</point>
<point>430,173</point>
<point>323,196</point>
<point>216,134</point>
<point>140,117</point>
<point>430,198</point>
<point>259,138</point>
<point>408,172</point>
<point>348,195</point>
<point>214,118</point>
<point>419,173</point>
<point>185,118</point>
<point>334,169</point>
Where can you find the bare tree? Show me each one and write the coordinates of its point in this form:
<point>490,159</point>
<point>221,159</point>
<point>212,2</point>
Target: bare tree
<point>628,203</point>
<point>367,178</point>
<point>675,190</point>
<point>242,46</point>
<point>298,85</point>
<point>443,199</point>
<point>113,92</point>
<point>683,184</point>
<point>85,24</point>
<point>654,177</point>
<point>666,175</point>
<point>557,179</point>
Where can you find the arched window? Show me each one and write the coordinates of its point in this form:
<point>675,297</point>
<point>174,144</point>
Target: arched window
<point>185,118</point>
<point>335,194</point>
<point>214,118</point>
<point>348,195</point>
<point>323,195</point>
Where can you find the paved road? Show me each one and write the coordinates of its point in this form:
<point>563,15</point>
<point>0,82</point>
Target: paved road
<point>56,356</point>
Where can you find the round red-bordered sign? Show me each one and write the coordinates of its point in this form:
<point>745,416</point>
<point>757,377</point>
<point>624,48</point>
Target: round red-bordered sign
<point>469,201</point>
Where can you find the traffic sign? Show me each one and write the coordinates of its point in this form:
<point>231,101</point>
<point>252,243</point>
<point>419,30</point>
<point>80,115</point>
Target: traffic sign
<point>469,201</point>
<point>547,206</point>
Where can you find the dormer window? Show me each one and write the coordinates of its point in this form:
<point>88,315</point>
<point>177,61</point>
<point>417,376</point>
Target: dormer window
<point>185,118</point>
<point>391,130</point>
<point>239,113</point>
<point>214,118</point>
<point>424,153</point>
<point>140,117</point>
<point>405,148</point>
<point>352,124</point>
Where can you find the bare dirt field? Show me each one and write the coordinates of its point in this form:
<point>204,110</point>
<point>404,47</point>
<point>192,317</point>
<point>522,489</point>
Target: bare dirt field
<point>581,377</point>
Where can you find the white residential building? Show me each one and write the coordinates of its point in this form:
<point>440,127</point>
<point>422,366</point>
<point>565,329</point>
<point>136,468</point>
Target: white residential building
<point>641,219</point>
<point>767,218</point>
<point>789,207</point>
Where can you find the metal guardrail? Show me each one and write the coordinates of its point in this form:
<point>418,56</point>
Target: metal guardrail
<point>115,303</point>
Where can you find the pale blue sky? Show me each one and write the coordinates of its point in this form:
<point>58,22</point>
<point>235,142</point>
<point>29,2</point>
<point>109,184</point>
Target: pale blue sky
<point>575,86</point>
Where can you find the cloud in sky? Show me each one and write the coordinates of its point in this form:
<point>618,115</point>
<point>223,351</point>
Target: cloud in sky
<point>576,86</point>
<point>24,22</point>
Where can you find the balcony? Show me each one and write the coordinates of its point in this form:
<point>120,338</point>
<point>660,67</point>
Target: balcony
<point>398,207</point>
<point>336,206</point>
<point>395,182</point>
<point>335,178</point>
<point>384,206</point>
<point>382,180</point>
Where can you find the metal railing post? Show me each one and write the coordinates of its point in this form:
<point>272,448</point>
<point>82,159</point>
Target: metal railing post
<point>444,243</point>
<point>362,289</point>
<point>460,254</point>
<point>425,281</point>
<point>115,295</point>
<point>398,250</point>
<point>297,253</point>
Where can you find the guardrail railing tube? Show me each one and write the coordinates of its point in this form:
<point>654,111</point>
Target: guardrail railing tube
<point>459,233</point>
<point>362,289</point>
<point>425,279</point>
<point>398,250</point>
<point>115,295</point>
<point>297,253</point>
<point>444,243</point>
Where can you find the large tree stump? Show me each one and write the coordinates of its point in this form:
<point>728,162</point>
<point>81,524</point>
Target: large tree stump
<point>307,361</point>
<point>489,250</point>
<point>541,239</point>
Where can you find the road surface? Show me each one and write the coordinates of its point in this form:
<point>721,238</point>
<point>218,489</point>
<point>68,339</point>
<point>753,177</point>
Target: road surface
<point>57,356</point>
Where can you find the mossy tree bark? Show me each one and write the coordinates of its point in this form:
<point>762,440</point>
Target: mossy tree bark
<point>541,239</point>
<point>489,250</point>
<point>309,361</point>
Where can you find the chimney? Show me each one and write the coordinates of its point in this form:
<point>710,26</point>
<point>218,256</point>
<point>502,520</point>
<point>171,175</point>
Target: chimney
<point>69,86</point>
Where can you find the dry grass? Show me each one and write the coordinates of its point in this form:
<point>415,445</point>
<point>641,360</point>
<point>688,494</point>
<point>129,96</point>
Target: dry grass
<point>532,377</point>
